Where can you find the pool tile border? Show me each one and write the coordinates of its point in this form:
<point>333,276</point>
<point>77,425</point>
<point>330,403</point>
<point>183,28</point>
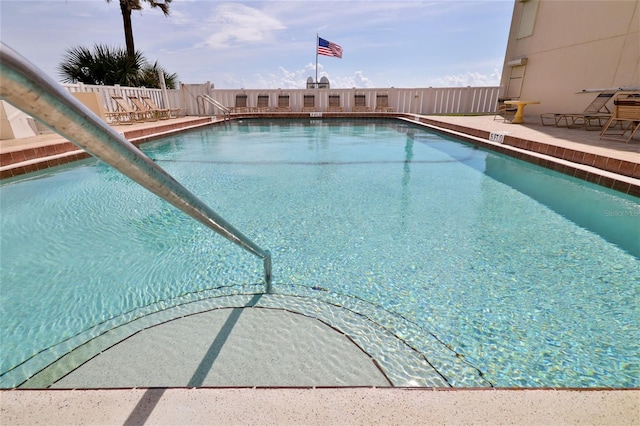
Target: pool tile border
<point>613,173</point>
<point>59,152</point>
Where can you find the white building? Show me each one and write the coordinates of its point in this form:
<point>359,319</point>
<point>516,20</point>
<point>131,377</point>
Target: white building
<point>558,48</point>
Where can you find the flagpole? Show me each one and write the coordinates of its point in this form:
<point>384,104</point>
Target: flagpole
<point>317,41</point>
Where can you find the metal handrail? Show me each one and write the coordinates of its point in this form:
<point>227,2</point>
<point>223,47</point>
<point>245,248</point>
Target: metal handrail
<point>226,112</point>
<point>30,90</point>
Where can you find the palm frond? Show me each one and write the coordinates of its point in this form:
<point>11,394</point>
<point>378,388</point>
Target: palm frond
<point>107,65</point>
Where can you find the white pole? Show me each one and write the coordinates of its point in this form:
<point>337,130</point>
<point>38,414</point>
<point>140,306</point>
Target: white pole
<point>163,86</point>
<point>317,41</point>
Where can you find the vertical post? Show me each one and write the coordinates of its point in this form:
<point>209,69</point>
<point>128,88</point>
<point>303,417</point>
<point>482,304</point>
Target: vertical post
<point>267,272</point>
<point>317,41</point>
<point>163,86</point>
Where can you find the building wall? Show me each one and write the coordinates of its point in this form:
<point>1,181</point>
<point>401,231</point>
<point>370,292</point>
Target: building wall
<point>571,46</point>
<point>14,123</point>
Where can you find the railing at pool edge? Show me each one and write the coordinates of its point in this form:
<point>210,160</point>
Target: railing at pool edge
<point>28,89</point>
<point>226,112</point>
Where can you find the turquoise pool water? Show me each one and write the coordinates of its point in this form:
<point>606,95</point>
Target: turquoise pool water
<point>530,276</point>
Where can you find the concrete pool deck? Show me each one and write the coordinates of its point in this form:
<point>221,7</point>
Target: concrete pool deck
<point>320,406</point>
<point>616,164</point>
<point>576,152</point>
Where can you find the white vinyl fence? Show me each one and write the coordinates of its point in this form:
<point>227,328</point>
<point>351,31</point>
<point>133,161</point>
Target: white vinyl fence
<point>431,100</point>
<point>454,100</point>
<point>106,92</point>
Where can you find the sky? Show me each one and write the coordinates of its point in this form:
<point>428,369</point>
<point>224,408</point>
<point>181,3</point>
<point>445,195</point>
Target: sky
<point>272,44</point>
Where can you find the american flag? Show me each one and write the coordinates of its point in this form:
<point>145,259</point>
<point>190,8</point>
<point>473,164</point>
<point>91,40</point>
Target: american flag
<point>327,48</point>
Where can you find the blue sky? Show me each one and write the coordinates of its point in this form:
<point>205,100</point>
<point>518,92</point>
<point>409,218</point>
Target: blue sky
<point>271,44</point>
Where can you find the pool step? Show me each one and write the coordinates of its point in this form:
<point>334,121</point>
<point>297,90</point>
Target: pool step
<point>45,151</point>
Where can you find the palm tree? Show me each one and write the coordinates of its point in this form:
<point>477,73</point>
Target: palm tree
<point>149,76</point>
<point>103,65</point>
<point>109,66</point>
<point>126,6</point>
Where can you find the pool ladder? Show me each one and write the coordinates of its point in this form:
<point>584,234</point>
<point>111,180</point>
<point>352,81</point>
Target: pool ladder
<point>30,90</point>
<point>201,99</point>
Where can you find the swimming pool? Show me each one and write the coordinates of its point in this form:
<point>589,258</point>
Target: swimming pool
<point>530,276</point>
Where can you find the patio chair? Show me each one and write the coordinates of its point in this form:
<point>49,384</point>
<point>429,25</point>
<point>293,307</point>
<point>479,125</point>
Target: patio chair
<point>382,103</point>
<point>241,104</point>
<point>262,104</point>
<point>504,111</point>
<point>171,112</point>
<point>625,120</point>
<point>283,104</point>
<point>118,117</point>
<point>151,114</point>
<point>123,107</point>
<point>593,117</point>
<point>147,113</point>
<point>360,103</point>
<point>309,103</point>
<point>334,104</point>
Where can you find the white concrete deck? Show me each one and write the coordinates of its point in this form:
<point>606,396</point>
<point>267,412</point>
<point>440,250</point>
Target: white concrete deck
<point>327,406</point>
<point>577,139</point>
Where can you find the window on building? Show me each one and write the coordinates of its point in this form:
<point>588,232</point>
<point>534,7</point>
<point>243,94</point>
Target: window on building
<point>528,18</point>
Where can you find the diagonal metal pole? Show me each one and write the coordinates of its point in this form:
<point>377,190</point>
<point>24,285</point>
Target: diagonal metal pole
<point>29,90</point>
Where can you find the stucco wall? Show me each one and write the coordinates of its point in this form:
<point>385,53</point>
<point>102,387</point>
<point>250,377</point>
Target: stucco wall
<point>15,123</point>
<point>575,45</point>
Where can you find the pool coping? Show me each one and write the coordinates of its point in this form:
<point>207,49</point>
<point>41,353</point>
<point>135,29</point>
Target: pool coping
<point>320,406</point>
<point>620,174</point>
<point>617,174</point>
<point>52,150</point>
<point>544,155</point>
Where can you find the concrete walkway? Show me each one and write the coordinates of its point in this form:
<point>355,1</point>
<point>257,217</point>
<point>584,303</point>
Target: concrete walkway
<point>576,139</point>
<point>576,152</point>
<point>320,406</point>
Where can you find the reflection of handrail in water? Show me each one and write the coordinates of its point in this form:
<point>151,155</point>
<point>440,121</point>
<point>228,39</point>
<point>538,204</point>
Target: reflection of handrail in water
<point>28,89</point>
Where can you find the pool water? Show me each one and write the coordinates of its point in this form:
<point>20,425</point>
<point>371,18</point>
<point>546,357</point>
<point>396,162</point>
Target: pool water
<point>530,276</point>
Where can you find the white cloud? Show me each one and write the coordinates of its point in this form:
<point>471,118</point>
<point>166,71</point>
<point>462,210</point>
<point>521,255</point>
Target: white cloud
<point>297,79</point>
<point>329,15</point>
<point>357,80</point>
<point>469,78</point>
<point>235,23</point>
<point>283,79</point>
<point>340,82</point>
<point>179,18</point>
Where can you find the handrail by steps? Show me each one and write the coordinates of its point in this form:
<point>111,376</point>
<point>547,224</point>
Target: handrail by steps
<point>30,90</point>
<point>226,112</point>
